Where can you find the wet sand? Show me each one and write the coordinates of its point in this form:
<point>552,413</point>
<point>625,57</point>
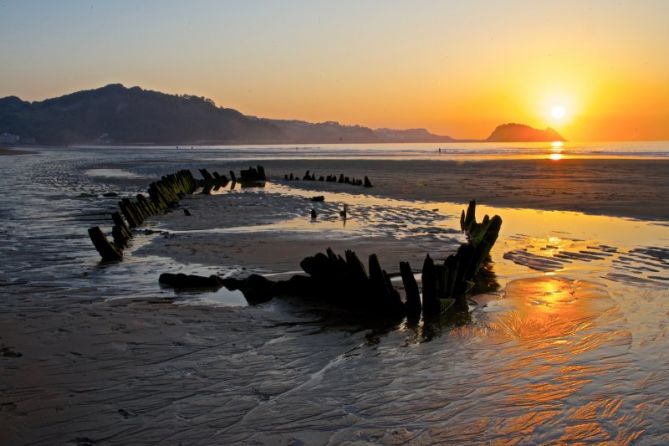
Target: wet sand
<point>147,372</point>
<point>570,350</point>
<point>270,229</point>
<point>617,187</point>
<point>9,152</point>
<point>88,373</point>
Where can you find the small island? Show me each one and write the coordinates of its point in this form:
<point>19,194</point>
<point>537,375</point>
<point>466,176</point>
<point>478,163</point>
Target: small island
<point>523,133</point>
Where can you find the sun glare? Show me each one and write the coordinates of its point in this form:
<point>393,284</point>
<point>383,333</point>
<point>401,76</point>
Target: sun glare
<point>558,112</point>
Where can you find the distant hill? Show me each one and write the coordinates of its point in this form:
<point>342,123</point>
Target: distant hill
<point>115,114</point>
<point>523,133</point>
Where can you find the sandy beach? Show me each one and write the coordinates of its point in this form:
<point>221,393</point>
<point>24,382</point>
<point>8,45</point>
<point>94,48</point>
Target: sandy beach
<point>103,355</point>
<point>591,186</point>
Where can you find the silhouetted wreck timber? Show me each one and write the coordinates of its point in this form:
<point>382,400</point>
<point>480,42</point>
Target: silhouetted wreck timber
<point>431,305</point>
<point>256,288</point>
<point>211,181</point>
<point>163,194</point>
<point>185,282</point>
<point>412,303</point>
<point>108,250</point>
<point>253,177</point>
<point>310,176</point>
<point>344,282</point>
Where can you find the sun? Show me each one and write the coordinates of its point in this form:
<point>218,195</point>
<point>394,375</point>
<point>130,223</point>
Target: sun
<point>558,112</point>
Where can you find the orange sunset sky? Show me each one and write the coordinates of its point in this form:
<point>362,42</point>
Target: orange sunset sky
<point>594,70</point>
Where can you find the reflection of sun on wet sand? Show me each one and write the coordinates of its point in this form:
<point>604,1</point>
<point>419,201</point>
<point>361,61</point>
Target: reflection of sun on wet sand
<point>567,339</point>
<point>548,308</point>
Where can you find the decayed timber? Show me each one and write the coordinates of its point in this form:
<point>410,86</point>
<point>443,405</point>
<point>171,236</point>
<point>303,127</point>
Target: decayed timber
<point>311,176</point>
<point>108,250</point>
<point>344,281</point>
<point>163,194</point>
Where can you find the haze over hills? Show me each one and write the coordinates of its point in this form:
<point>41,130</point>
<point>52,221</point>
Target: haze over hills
<point>115,114</point>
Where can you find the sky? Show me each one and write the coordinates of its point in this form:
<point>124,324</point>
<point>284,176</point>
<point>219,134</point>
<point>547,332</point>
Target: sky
<point>593,70</point>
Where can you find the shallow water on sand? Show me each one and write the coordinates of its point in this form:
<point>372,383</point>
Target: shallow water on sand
<point>571,349</point>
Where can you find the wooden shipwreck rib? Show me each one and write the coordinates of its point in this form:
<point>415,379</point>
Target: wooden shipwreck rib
<point>344,282</point>
<point>311,176</point>
<point>163,195</point>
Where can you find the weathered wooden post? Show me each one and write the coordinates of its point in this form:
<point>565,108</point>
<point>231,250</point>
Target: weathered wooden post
<point>413,305</point>
<point>107,250</point>
<point>128,213</point>
<point>431,305</point>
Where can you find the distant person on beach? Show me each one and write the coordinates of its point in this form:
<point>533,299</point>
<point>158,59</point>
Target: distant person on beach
<point>344,213</point>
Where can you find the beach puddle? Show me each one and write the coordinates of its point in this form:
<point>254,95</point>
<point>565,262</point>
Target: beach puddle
<point>112,173</point>
<point>547,309</point>
<point>218,298</point>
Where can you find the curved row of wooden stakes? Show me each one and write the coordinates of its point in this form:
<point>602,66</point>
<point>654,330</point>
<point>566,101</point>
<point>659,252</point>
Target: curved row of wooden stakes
<point>344,282</point>
<point>341,281</point>
<point>163,195</point>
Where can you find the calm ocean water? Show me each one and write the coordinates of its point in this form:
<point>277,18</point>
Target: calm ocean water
<point>634,149</point>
